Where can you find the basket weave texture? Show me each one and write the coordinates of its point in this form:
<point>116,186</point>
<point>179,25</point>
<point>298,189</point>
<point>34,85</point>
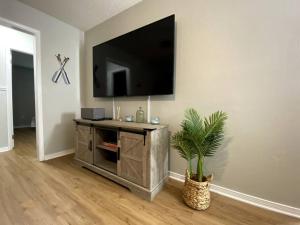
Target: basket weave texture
<point>196,194</point>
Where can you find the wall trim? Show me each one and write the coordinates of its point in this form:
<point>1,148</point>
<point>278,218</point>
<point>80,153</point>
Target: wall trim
<point>59,154</point>
<point>4,149</point>
<point>252,200</point>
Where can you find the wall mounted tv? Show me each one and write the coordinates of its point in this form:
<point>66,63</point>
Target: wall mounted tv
<point>138,63</point>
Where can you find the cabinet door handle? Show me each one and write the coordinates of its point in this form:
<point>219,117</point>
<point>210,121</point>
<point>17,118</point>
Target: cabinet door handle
<point>90,145</point>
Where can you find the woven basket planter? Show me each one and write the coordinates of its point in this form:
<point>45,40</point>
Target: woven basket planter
<point>196,194</point>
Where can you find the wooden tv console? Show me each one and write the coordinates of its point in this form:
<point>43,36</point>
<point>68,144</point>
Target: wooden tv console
<point>134,155</point>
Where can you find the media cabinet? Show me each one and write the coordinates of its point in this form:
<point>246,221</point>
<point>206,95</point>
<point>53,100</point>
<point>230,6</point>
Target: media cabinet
<point>134,155</point>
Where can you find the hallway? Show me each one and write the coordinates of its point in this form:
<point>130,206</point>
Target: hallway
<point>25,142</point>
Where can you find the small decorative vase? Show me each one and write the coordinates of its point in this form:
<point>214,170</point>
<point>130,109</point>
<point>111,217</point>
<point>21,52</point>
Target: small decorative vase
<point>140,115</point>
<point>196,194</point>
<point>129,118</point>
<point>155,120</point>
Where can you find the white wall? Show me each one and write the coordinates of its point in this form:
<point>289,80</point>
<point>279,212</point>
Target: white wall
<point>3,101</point>
<point>17,40</point>
<point>242,57</point>
<point>60,102</point>
<point>3,117</point>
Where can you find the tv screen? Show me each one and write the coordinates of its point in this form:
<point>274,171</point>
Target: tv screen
<point>138,63</point>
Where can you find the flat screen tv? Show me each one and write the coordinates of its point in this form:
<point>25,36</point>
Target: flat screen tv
<point>138,63</point>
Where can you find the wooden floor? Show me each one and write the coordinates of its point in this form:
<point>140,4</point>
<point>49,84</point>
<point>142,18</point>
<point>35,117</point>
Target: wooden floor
<point>60,192</point>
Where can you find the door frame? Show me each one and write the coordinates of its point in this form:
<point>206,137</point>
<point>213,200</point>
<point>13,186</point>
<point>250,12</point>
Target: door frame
<point>37,86</point>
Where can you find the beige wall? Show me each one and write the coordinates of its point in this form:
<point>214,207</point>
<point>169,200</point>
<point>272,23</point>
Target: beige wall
<point>61,103</point>
<point>242,57</point>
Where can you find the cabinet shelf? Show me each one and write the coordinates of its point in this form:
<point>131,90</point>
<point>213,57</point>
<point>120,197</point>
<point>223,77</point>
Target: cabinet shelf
<point>108,148</point>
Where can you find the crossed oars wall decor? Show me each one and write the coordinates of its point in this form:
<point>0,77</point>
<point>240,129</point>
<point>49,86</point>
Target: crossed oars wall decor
<point>61,71</point>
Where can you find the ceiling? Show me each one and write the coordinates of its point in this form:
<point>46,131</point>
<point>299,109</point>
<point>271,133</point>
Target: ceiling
<point>83,14</point>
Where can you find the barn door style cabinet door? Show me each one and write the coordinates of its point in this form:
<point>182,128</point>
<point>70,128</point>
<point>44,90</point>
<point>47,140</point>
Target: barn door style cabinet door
<point>84,143</point>
<point>134,155</point>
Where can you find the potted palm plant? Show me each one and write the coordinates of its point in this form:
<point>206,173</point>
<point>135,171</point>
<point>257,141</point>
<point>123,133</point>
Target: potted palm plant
<point>198,138</point>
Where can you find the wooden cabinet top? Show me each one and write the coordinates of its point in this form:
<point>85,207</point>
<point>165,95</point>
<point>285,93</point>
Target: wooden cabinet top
<point>121,124</point>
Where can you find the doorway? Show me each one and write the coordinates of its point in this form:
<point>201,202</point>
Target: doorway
<point>23,101</point>
<point>20,54</point>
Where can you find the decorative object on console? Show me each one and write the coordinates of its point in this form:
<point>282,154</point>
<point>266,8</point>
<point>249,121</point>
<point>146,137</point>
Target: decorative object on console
<point>129,118</point>
<point>140,115</point>
<point>155,120</point>
<point>61,71</point>
<point>198,138</point>
<point>93,113</point>
<point>118,113</point>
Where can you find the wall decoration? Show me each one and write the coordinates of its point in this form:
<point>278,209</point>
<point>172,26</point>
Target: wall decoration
<point>61,71</point>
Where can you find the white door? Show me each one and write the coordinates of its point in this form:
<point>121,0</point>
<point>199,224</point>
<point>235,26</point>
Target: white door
<point>4,95</point>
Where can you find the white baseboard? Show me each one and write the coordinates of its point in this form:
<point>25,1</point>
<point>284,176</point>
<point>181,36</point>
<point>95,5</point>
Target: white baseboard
<point>259,202</point>
<point>177,176</point>
<point>4,149</point>
<point>59,154</point>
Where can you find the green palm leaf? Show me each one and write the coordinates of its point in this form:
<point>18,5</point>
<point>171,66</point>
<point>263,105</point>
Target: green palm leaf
<point>213,132</point>
<point>199,137</point>
<point>183,146</point>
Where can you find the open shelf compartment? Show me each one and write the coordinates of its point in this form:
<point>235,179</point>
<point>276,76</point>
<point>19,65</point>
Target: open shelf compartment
<point>106,149</point>
<point>106,160</point>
